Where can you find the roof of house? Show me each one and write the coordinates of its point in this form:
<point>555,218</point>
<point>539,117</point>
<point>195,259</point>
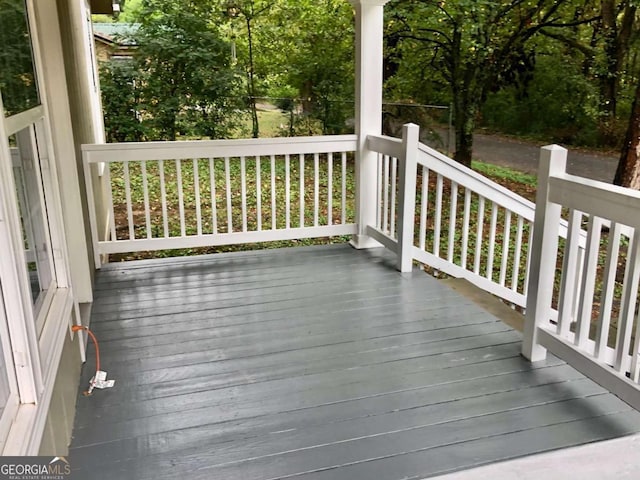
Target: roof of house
<point>119,33</point>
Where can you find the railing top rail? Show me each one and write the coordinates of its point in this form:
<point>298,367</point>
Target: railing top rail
<point>385,145</point>
<point>460,174</point>
<point>465,177</point>
<point>132,151</point>
<point>610,202</point>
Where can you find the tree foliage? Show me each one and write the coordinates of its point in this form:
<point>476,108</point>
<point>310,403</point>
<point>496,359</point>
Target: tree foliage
<point>187,76</point>
<point>250,11</point>
<point>316,59</point>
<point>181,80</point>
<point>558,103</point>
<point>301,54</point>
<point>473,47</point>
<point>603,46</point>
<point>17,78</point>
<point>562,69</point>
<point>121,102</point>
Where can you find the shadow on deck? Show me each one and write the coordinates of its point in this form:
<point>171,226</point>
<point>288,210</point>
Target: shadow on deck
<point>315,363</point>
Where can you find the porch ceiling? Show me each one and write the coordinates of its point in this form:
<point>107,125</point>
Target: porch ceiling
<point>315,363</point>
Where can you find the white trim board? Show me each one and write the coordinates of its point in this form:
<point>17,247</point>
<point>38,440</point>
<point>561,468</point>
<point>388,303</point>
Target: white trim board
<point>26,432</point>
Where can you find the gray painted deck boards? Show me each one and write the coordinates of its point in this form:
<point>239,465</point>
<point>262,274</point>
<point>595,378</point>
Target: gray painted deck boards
<point>315,363</point>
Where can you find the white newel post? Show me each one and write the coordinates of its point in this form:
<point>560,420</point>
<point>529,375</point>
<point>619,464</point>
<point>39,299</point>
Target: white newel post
<point>407,196</point>
<point>369,33</point>
<point>544,251</point>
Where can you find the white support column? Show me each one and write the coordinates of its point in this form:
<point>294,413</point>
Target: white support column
<point>544,251</point>
<point>57,102</point>
<point>84,96</point>
<point>407,196</point>
<point>369,55</point>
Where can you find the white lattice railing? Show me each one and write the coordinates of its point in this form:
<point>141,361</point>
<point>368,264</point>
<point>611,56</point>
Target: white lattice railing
<point>169,195</point>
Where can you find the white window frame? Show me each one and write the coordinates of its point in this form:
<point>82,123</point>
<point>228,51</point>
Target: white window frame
<point>18,309</point>
<point>32,152</point>
<point>34,352</point>
<point>11,407</point>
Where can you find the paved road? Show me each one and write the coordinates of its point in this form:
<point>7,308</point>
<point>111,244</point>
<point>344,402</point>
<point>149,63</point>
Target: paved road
<point>523,156</point>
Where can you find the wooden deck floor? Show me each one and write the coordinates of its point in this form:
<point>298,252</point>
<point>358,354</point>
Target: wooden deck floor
<point>315,363</point>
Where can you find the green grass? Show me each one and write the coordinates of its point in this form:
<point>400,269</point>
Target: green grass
<point>272,123</point>
<point>503,174</point>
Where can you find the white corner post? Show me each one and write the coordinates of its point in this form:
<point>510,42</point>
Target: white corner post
<point>407,196</point>
<point>369,55</point>
<point>62,143</point>
<point>544,251</point>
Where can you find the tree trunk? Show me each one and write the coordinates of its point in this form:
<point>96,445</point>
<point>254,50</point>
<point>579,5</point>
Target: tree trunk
<point>306,93</point>
<point>628,171</point>
<point>464,123</point>
<point>609,80</point>
<point>617,33</point>
<point>252,83</point>
<point>464,147</point>
<point>172,130</point>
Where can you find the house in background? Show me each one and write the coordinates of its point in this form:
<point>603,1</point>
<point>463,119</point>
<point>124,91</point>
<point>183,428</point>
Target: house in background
<point>58,224</point>
<point>114,40</point>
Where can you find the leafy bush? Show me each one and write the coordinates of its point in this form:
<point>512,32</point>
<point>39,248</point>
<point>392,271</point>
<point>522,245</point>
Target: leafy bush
<point>119,82</point>
<point>559,103</point>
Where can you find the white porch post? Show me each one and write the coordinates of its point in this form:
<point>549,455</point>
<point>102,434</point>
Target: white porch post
<point>407,196</point>
<point>369,30</point>
<point>62,142</point>
<point>544,250</point>
<point>84,98</point>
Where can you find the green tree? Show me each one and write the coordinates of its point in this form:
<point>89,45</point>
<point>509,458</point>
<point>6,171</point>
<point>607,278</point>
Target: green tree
<point>604,45</point>
<point>559,102</point>
<point>474,47</point>
<point>119,83</point>
<point>130,11</point>
<point>188,85</point>
<point>314,55</point>
<point>628,171</point>
<point>249,11</point>
<point>17,78</point>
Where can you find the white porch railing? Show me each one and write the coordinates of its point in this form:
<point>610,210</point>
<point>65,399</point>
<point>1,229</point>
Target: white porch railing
<point>466,225</point>
<point>427,204</point>
<point>170,195</point>
<point>430,209</point>
<point>588,342</point>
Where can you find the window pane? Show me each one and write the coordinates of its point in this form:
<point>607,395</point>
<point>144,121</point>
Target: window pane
<point>17,74</point>
<point>31,202</point>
